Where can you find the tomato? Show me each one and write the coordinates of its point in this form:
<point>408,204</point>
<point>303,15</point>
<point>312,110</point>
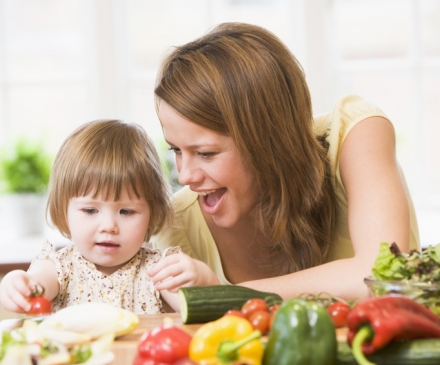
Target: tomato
<point>185,361</point>
<point>235,312</point>
<point>338,312</point>
<point>273,308</point>
<point>39,304</point>
<point>252,306</point>
<point>164,344</point>
<point>260,320</point>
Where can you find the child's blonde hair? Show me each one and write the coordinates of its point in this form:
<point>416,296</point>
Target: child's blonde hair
<point>103,157</point>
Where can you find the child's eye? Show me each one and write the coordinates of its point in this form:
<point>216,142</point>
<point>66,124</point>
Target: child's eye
<point>90,211</point>
<point>126,212</point>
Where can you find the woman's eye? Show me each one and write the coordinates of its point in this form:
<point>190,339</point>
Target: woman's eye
<point>90,211</point>
<point>175,150</point>
<point>206,154</point>
<point>126,212</point>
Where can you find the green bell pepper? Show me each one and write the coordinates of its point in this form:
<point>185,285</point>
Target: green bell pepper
<point>302,333</point>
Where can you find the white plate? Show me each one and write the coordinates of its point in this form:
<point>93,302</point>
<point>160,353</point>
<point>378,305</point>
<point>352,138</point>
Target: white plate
<point>101,360</point>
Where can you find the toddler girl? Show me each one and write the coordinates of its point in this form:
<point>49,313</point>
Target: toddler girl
<point>108,195</point>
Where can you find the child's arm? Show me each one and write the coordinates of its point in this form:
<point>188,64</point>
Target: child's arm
<point>170,301</point>
<point>178,270</point>
<point>16,286</point>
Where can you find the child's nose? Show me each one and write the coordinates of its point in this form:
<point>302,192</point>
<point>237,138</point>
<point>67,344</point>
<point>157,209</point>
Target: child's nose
<point>109,224</point>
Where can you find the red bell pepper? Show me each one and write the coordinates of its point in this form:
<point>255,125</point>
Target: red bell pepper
<point>164,345</point>
<point>375,322</point>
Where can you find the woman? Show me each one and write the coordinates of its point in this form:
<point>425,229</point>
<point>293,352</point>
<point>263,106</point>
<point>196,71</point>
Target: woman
<point>275,199</point>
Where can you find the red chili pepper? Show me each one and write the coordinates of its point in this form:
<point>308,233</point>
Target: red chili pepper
<point>163,345</point>
<point>375,322</point>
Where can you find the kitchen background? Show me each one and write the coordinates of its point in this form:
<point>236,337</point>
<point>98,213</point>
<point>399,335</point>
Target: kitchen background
<point>63,63</point>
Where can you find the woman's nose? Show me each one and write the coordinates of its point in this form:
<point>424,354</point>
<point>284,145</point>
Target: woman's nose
<point>189,173</point>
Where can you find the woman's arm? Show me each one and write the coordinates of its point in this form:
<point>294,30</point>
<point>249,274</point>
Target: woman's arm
<point>378,211</point>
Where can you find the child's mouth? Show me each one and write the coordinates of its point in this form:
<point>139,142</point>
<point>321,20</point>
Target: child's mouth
<point>107,244</point>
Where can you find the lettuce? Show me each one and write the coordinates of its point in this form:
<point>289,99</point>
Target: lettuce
<point>388,266</point>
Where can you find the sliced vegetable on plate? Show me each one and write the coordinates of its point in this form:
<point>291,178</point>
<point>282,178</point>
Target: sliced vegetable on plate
<point>81,334</point>
<point>94,319</point>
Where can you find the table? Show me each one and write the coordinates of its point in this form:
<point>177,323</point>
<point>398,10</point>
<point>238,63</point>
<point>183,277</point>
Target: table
<point>125,347</point>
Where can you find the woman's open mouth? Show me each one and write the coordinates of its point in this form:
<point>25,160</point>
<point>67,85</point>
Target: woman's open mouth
<point>212,199</point>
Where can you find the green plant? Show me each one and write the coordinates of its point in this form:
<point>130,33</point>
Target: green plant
<point>25,168</point>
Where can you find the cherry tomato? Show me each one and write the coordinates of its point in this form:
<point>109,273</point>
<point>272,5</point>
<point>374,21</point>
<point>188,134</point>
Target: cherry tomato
<point>338,312</point>
<point>252,306</point>
<point>39,304</point>
<point>235,312</point>
<point>260,320</point>
<point>273,308</point>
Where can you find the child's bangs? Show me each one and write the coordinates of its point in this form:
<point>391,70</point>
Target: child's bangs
<point>108,181</point>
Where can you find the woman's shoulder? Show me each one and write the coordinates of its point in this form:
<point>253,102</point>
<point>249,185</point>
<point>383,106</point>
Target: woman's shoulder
<point>347,111</point>
<point>351,109</point>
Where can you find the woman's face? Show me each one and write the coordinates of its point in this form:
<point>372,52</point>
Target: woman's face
<point>210,163</point>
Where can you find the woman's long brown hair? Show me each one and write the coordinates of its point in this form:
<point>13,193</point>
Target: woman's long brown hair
<point>241,80</point>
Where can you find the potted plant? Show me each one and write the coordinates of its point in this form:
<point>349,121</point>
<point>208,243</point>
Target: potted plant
<point>24,177</point>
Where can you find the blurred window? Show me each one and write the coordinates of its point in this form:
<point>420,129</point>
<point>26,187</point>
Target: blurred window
<point>63,63</point>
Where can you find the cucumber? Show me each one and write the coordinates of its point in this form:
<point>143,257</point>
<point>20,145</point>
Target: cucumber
<point>414,352</point>
<point>201,304</point>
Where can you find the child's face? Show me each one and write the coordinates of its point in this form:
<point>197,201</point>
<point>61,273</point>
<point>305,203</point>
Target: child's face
<point>108,233</point>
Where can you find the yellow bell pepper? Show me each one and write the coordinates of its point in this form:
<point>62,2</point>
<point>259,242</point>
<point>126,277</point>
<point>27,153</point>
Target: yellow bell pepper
<point>228,340</point>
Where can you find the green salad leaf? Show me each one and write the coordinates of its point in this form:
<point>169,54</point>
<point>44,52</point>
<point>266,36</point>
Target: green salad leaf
<point>81,354</point>
<point>420,270</point>
<point>388,265</point>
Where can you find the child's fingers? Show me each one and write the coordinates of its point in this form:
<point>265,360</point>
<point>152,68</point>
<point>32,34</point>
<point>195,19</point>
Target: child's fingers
<point>15,302</point>
<point>169,271</point>
<point>173,283</point>
<point>162,264</point>
<point>24,286</point>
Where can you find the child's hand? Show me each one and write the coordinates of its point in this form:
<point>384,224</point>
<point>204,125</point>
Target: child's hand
<point>15,290</point>
<point>178,270</point>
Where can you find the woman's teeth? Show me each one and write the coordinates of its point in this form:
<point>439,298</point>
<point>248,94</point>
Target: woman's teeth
<point>204,193</point>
